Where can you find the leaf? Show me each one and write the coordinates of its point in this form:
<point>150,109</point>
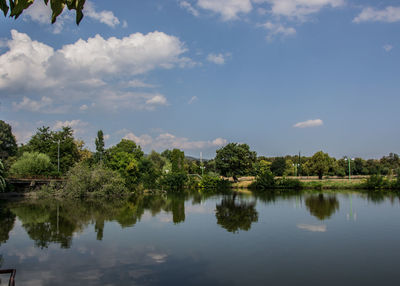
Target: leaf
<point>4,7</point>
<point>57,6</point>
<point>19,6</point>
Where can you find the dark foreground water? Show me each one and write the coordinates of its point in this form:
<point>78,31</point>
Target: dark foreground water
<point>308,239</point>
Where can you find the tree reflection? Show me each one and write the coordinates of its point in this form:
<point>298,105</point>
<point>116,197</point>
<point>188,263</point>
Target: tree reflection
<point>234,216</point>
<point>322,207</point>
<point>7,219</point>
<point>52,221</point>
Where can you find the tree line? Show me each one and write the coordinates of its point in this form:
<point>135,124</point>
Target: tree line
<point>51,153</point>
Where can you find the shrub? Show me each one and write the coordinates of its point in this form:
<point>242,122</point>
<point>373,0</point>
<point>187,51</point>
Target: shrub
<point>97,181</point>
<point>213,182</point>
<point>32,164</point>
<point>293,184</point>
<point>375,182</point>
<point>265,180</point>
<point>174,181</point>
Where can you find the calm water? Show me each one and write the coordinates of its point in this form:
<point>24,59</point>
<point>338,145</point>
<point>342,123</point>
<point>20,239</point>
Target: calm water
<point>308,239</point>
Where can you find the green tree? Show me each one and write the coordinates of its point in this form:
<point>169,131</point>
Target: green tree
<point>177,160</point>
<point>99,145</point>
<point>16,7</point>
<point>319,164</point>
<point>126,165</point>
<point>8,144</point>
<point>127,146</point>
<point>278,166</point>
<point>32,164</point>
<point>148,173</point>
<point>158,160</point>
<point>46,141</point>
<point>235,160</point>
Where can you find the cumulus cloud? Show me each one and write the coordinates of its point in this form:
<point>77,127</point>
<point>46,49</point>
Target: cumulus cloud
<point>228,9</point>
<point>44,105</point>
<point>105,17</point>
<point>186,5</point>
<point>389,15</point>
<point>167,141</point>
<point>77,125</point>
<point>218,59</point>
<point>388,48</point>
<point>299,9</point>
<point>309,123</point>
<point>277,29</point>
<point>86,68</point>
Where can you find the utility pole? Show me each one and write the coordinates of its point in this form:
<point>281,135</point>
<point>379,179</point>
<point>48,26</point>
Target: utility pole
<point>58,156</point>
<point>299,168</point>
<point>201,164</point>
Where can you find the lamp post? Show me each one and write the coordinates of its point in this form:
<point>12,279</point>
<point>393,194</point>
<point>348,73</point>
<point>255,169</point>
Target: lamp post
<point>348,160</point>
<point>58,157</point>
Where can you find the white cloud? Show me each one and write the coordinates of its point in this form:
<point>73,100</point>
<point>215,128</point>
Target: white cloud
<point>138,83</point>
<point>86,69</point>
<point>228,9</point>
<point>44,105</point>
<point>168,141</point>
<point>105,17</point>
<point>388,48</point>
<point>218,59</point>
<point>309,123</point>
<point>186,5</point>
<point>312,228</point>
<point>276,29</point>
<point>193,99</point>
<point>77,125</point>
<point>83,107</point>
<point>390,15</point>
<point>299,9</point>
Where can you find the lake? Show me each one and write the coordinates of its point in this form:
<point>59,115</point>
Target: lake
<point>332,238</point>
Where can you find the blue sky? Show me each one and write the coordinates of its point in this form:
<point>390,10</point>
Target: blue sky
<point>280,75</point>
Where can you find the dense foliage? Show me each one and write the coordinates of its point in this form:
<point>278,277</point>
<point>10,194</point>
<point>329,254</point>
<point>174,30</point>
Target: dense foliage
<point>235,160</point>
<point>8,144</point>
<point>32,164</point>
<point>83,181</point>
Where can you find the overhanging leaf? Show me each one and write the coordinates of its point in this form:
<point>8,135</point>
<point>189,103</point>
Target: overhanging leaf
<point>4,7</point>
<point>19,6</point>
<point>57,6</point>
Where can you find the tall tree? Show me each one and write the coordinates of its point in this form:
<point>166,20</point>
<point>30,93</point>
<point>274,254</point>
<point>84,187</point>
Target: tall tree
<point>47,142</point>
<point>278,166</point>
<point>235,160</point>
<point>319,164</point>
<point>8,144</point>
<point>99,145</point>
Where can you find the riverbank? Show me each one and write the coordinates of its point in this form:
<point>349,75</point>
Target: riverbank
<point>376,182</point>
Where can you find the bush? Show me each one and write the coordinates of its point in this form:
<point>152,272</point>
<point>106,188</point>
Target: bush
<point>174,181</point>
<point>265,180</point>
<point>293,184</point>
<point>213,182</point>
<point>376,182</point>
<point>32,164</point>
<point>97,181</point>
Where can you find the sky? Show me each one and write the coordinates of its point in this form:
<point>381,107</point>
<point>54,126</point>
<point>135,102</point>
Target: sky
<point>280,75</point>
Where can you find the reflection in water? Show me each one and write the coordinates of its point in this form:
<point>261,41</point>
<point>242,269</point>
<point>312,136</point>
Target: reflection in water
<point>233,215</point>
<point>7,219</point>
<point>322,207</point>
<point>50,221</point>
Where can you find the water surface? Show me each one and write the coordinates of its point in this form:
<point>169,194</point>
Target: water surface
<point>311,238</point>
